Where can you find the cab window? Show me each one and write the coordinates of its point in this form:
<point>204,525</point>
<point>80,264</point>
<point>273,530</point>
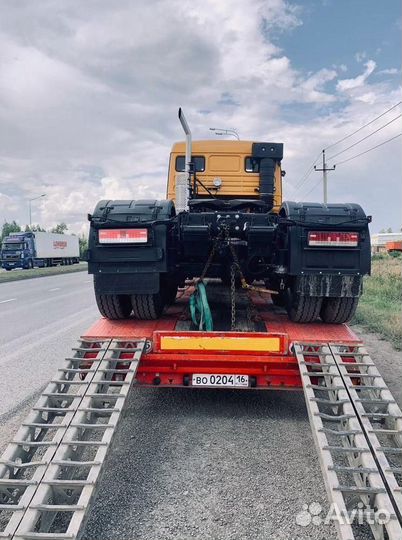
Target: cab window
<point>199,162</point>
<point>252,165</point>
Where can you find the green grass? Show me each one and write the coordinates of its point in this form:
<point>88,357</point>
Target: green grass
<point>380,307</point>
<point>16,275</point>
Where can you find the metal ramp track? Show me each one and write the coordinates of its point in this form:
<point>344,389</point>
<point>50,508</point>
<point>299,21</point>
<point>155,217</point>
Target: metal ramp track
<point>49,472</point>
<point>378,412</point>
<point>354,479</point>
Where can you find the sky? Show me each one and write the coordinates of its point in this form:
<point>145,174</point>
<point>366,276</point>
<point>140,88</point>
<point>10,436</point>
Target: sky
<point>89,93</point>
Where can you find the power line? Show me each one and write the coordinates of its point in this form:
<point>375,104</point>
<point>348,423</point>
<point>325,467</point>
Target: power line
<point>310,190</point>
<point>354,157</point>
<point>369,150</point>
<point>307,173</point>
<point>364,138</point>
<point>365,125</point>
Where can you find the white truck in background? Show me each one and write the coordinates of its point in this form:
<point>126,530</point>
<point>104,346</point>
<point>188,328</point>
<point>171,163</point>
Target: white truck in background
<point>30,249</point>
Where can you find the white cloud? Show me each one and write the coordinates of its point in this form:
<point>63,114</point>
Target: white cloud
<point>6,203</point>
<point>390,71</point>
<point>312,89</point>
<point>89,96</point>
<point>360,56</point>
<point>350,84</point>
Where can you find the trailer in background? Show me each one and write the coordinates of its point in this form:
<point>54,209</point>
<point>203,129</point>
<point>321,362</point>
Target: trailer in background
<point>29,249</point>
<point>394,247</point>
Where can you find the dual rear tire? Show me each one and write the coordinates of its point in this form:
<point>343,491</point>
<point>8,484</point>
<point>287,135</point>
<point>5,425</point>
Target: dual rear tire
<point>306,309</point>
<point>338,310</point>
<point>114,306</point>
<point>120,306</point>
<point>142,306</point>
<point>303,309</point>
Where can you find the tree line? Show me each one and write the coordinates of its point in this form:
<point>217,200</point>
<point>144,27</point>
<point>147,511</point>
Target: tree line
<point>60,228</point>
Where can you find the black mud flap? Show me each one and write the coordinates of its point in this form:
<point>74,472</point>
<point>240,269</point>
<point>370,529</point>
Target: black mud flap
<point>328,270</point>
<point>329,285</point>
<point>130,267</point>
<point>127,283</point>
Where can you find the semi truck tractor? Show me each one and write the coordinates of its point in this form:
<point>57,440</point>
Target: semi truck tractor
<point>224,217</point>
<point>38,249</point>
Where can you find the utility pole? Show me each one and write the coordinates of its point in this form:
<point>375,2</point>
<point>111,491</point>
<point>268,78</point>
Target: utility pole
<point>324,176</point>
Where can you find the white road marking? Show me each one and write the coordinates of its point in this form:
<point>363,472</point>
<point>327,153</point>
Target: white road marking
<point>55,289</point>
<point>88,281</point>
<point>9,300</point>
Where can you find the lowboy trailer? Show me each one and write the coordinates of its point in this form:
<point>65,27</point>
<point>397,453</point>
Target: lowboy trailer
<point>50,472</point>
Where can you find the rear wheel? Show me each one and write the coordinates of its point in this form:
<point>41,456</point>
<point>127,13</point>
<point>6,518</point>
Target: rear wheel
<point>338,310</point>
<point>114,306</point>
<point>147,306</point>
<point>303,309</point>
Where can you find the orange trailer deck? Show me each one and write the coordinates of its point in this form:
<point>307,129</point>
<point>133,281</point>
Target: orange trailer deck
<point>266,358</point>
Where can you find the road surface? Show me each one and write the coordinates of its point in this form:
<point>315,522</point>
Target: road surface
<point>204,464</point>
<point>41,320</point>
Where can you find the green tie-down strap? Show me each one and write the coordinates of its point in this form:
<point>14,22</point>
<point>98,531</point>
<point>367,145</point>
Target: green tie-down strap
<point>199,308</point>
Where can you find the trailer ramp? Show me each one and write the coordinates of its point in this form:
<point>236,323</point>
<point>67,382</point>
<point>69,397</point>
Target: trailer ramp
<point>50,471</point>
<point>357,429</point>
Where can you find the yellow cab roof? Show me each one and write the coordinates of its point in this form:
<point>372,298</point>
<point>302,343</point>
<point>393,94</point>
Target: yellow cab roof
<point>212,145</point>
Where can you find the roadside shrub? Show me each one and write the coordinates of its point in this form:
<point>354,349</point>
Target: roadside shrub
<point>380,307</point>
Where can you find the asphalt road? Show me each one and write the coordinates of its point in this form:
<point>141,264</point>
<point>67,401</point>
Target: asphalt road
<point>204,464</point>
<point>41,319</point>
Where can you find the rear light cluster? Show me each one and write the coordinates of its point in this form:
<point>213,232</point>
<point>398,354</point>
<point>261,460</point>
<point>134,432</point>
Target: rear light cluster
<point>123,236</point>
<point>333,239</point>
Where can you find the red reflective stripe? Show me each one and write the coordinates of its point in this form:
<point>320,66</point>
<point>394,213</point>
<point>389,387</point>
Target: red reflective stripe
<point>123,236</point>
<point>330,238</point>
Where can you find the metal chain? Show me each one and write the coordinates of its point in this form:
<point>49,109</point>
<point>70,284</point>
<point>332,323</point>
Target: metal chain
<point>211,256</point>
<point>234,269</point>
<point>251,312</point>
<point>233,295</point>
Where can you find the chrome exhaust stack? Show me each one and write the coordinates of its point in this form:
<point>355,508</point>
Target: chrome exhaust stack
<point>183,179</point>
<point>187,131</point>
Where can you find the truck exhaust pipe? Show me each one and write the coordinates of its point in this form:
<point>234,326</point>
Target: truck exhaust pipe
<point>183,179</point>
<point>187,131</point>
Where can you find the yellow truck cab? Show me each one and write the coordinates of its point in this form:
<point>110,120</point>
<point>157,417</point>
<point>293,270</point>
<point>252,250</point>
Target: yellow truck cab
<point>226,168</point>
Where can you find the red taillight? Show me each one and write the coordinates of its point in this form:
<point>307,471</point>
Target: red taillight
<point>333,239</point>
<point>123,236</point>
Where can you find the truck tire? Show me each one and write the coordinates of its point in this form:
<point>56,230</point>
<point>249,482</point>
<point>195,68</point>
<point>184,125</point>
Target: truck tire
<point>338,310</point>
<point>114,306</point>
<point>303,309</point>
<point>147,306</point>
